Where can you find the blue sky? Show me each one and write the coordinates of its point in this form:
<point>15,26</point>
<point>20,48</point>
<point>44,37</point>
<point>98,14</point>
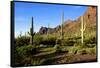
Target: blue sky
<point>43,14</point>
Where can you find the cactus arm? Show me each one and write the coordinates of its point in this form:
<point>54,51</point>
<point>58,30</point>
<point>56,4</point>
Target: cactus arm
<point>84,26</point>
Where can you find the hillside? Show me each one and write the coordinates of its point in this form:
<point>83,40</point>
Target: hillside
<point>72,28</point>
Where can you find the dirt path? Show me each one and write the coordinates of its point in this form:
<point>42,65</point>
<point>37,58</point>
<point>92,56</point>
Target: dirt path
<point>75,59</point>
<point>63,59</point>
<point>84,58</point>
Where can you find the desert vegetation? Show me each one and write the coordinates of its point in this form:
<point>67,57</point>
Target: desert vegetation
<point>72,44</point>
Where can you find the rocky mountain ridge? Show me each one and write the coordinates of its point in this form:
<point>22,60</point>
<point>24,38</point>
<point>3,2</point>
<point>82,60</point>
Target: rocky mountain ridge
<point>73,27</point>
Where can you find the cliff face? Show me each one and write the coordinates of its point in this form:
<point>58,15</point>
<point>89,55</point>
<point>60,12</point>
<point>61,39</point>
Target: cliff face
<point>89,19</point>
<point>90,16</point>
<point>73,27</point>
<point>91,13</point>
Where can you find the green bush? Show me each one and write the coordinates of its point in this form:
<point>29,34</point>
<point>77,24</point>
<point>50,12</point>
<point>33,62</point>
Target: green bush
<point>24,54</point>
<point>90,40</point>
<point>83,51</point>
<point>45,40</point>
<point>57,48</point>
<point>21,41</point>
<point>38,61</point>
<point>65,42</point>
<point>90,45</point>
<point>27,50</point>
<point>69,42</point>
<point>92,51</point>
<point>37,39</point>
<point>58,41</point>
<point>74,49</point>
<point>49,41</point>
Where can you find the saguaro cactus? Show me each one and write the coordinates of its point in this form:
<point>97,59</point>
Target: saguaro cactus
<point>48,31</point>
<point>25,34</point>
<point>62,37</point>
<point>83,25</point>
<point>62,25</point>
<point>20,34</point>
<point>31,33</point>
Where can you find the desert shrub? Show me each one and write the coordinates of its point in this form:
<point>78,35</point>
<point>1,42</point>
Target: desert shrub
<point>58,41</point>
<point>65,42</point>
<point>83,51</point>
<point>90,40</point>
<point>49,41</point>
<point>57,48</point>
<point>44,40</point>
<point>27,50</point>
<point>74,49</point>
<point>69,42</point>
<point>37,61</point>
<point>90,45</point>
<point>65,48</point>
<point>18,58</point>
<point>92,51</point>
<point>47,49</point>
<point>24,54</point>
<point>77,44</point>
<point>37,39</point>
<point>23,40</point>
<point>74,38</point>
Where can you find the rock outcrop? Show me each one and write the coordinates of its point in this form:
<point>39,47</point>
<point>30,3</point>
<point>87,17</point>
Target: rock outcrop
<point>74,26</point>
